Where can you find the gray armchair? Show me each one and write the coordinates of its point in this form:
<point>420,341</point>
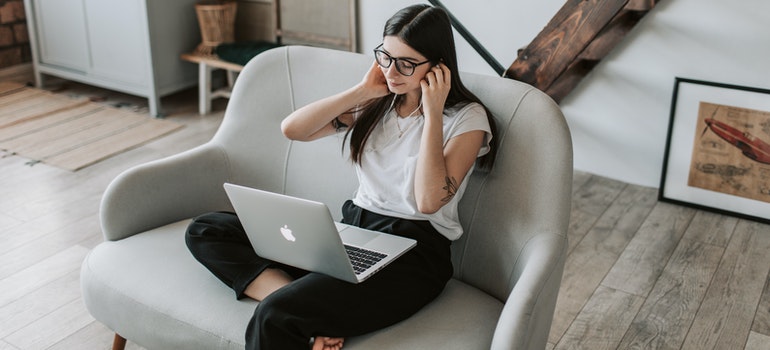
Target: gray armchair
<point>142,282</point>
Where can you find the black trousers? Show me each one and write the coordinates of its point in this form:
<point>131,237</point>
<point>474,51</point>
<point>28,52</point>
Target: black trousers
<point>318,305</point>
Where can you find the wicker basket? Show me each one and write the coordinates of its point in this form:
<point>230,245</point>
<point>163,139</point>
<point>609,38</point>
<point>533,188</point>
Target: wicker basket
<point>217,23</point>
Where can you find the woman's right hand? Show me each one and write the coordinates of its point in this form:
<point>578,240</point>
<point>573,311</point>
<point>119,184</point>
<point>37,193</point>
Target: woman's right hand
<point>374,84</point>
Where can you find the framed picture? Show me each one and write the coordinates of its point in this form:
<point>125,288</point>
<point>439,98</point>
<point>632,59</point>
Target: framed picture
<point>718,149</point>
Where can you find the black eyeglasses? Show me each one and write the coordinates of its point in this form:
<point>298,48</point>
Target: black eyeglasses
<point>403,66</point>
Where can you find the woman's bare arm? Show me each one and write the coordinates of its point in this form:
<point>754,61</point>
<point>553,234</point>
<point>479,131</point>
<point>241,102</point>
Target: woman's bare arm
<point>441,169</point>
<point>315,120</point>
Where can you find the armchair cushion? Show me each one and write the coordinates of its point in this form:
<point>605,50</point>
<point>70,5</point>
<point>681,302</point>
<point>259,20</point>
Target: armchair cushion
<point>207,316</point>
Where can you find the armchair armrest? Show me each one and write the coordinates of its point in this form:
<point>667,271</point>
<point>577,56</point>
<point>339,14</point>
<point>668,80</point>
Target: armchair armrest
<point>528,312</point>
<point>165,191</point>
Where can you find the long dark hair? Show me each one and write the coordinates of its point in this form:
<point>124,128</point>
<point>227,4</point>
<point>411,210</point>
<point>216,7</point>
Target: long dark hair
<point>426,29</point>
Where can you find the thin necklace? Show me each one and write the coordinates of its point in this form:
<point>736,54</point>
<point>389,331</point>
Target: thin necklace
<point>398,125</point>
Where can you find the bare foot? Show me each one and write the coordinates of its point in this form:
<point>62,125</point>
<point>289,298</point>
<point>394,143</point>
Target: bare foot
<point>266,283</point>
<point>328,343</point>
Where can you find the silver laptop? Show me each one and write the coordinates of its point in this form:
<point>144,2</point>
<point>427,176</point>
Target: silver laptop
<point>302,233</point>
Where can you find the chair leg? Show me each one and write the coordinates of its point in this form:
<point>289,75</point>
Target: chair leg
<point>119,343</point>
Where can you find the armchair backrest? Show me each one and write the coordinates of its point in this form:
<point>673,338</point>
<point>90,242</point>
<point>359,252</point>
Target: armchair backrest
<point>524,197</point>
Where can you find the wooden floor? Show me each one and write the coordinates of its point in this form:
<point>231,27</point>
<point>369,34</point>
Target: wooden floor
<point>640,274</point>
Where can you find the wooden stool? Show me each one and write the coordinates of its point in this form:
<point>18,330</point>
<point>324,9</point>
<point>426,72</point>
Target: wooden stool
<point>207,64</point>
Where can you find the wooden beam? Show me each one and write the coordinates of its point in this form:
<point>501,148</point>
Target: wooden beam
<point>641,5</point>
<point>569,32</point>
<point>570,79</point>
<point>602,44</point>
<point>611,35</point>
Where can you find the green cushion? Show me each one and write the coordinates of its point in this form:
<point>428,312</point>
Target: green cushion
<point>242,52</point>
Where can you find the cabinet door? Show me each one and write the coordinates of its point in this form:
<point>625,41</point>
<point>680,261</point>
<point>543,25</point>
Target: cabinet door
<point>118,40</point>
<point>61,28</point>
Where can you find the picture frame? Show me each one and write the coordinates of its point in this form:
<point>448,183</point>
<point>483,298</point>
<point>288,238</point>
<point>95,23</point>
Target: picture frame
<point>717,154</point>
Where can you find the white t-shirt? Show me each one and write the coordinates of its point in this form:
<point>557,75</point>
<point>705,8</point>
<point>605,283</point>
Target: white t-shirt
<point>387,168</point>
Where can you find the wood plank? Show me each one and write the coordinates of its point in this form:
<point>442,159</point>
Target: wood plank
<point>669,310</point>
<point>725,317</point>
<point>712,228</point>
<point>39,303</point>
<point>49,208</point>
<point>603,321</point>
<point>601,45</point>
<point>16,96</point>
<point>641,5</point>
<point>52,328</point>
<point>37,250</point>
<point>16,174</point>
<point>570,78</point>
<point>579,178</point>
<point>212,61</point>
<point>589,202</point>
<point>54,217</point>
<point>552,51</point>
<point>7,220</point>
<point>573,43</point>
<point>6,346</point>
<point>761,322</point>
<point>93,336</point>
<point>595,255</point>
<point>9,86</point>
<point>30,279</point>
<point>758,341</point>
<point>611,35</point>
<point>646,255</point>
<point>21,74</point>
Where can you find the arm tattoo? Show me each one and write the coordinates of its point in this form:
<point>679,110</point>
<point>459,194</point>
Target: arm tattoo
<point>451,188</point>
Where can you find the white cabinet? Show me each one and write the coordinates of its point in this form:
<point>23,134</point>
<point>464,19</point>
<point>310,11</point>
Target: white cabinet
<point>132,46</point>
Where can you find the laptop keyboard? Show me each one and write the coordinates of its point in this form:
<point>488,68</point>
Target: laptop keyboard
<point>363,259</point>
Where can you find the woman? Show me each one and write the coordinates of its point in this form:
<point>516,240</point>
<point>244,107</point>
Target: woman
<point>415,133</point>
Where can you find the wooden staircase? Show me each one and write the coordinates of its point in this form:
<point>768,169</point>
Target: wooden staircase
<point>580,34</point>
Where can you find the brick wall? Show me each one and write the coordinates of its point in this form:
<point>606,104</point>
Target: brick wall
<point>14,39</point>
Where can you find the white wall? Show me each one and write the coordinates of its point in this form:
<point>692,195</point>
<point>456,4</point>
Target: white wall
<point>619,114</point>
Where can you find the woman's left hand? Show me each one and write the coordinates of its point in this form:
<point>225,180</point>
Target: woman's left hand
<point>435,89</point>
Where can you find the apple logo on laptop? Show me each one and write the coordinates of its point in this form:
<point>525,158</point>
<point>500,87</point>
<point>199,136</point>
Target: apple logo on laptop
<point>286,232</point>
